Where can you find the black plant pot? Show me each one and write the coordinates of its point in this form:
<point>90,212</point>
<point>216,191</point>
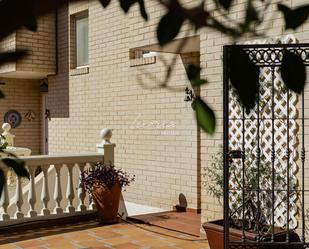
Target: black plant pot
<point>215,235</point>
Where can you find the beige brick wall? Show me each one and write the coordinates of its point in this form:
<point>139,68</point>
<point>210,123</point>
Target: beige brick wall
<point>8,44</point>
<point>154,130</point>
<point>40,46</point>
<point>42,54</point>
<point>23,96</point>
<point>166,161</point>
<point>58,87</point>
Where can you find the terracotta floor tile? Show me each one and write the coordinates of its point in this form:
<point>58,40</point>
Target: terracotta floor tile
<point>105,234</point>
<point>153,242</point>
<point>83,237</point>
<point>100,247</point>
<point>63,247</point>
<point>119,236</point>
<point>30,243</point>
<point>8,246</point>
<point>127,246</point>
<point>38,247</point>
<point>185,222</point>
<point>168,247</point>
<point>117,241</point>
<point>58,242</point>
<point>192,245</point>
<point>92,243</point>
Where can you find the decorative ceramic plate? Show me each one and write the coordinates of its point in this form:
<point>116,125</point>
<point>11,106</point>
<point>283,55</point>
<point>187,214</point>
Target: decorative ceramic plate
<point>13,118</point>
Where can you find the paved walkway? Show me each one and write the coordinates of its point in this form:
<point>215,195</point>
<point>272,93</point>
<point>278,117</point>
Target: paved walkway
<point>91,236</point>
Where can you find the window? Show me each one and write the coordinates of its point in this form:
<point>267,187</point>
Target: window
<point>81,40</point>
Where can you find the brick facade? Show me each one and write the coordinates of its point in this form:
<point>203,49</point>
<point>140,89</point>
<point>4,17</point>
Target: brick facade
<point>40,59</point>
<point>154,129</point>
<point>23,96</point>
<point>167,161</point>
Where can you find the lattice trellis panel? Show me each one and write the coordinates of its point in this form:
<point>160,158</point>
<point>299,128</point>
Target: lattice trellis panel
<point>258,126</point>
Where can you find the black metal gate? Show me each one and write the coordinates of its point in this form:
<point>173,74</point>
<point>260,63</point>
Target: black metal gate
<point>266,197</point>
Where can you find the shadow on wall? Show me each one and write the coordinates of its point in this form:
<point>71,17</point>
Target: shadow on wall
<point>58,95</point>
<point>194,58</point>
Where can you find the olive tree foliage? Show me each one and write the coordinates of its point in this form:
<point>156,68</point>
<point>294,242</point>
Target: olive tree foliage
<point>15,14</point>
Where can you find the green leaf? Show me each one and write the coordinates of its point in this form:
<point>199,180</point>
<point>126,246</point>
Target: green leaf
<point>198,82</point>
<point>193,71</point>
<point>205,116</point>
<point>127,4</point>
<point>293,71</point>
<point>11,56</point>
<point>143,9</point>
<point>251,18</point>
<point>2,95</point>
<point>169,27</point>
<point>105,3</point>
<point>244,76</point>
<point>32,23</point>
<point>17,165</point>
<point>2,181</point>
<point>294,17</point>
<point>225,3</point>
<point>251,13</point>
<point>3,143</point>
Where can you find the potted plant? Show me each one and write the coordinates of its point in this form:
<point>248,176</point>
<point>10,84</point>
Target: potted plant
<point>104,183</point>
<point>252,215</point>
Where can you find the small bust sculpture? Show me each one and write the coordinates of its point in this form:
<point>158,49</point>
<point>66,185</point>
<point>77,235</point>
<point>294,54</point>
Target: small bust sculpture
<point>6,127</point>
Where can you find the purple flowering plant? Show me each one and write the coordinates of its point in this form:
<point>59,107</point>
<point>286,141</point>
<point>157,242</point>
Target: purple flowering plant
<point>104,175</point>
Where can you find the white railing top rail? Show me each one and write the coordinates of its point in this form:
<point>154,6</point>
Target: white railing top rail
<point>62,159</point>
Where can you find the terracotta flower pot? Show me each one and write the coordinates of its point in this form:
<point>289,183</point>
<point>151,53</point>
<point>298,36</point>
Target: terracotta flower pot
<point>215,235</point>
<point>107,202</point>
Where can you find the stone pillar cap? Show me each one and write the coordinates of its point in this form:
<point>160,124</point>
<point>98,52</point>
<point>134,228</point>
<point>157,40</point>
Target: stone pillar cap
<point>106,134</point>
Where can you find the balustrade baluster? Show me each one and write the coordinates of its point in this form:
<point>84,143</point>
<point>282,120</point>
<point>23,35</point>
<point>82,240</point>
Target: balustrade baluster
<point>18,199</point>
<point>81,192</point>
<point>92,205</point>
<point>58,192</point>
<point>45,191</point>
<point>32,193</point>
<point>5,201</point>
<point>70,190</point>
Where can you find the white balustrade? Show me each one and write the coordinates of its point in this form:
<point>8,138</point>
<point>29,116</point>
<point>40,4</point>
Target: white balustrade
<point>58,173</point>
